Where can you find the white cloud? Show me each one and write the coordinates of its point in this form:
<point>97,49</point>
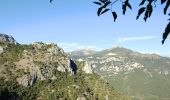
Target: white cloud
<point>120,40</point>
<point>76,46</point>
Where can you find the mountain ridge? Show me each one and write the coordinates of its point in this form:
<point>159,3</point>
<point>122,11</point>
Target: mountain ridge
<point>43,71</point>
<point>112,48</point>
<point>136,74</point>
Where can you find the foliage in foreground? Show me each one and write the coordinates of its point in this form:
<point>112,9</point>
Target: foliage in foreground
<point>64,87</point>
<point>146,8</point>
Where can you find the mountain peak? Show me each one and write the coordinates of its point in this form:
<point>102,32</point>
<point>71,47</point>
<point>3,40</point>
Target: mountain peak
<point>115,46</point>
<point>4,38</point>
<point>84,52</point>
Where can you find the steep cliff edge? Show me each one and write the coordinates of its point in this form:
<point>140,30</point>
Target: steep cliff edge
<point>43,71</point>
<point>38,61</point>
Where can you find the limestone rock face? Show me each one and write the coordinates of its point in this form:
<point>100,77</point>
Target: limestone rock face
<point>81,98</point>
<point>4,40</point>
<point>7,39</point>
<point>1,49</point>
<point>87,68</point>
<point>42,62</point>
<point>27,80</point>
<point>37,61</point>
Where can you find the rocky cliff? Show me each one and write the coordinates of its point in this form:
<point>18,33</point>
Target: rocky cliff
<point>43,71</point>
<point>37,61</point>
<point>7,39</point>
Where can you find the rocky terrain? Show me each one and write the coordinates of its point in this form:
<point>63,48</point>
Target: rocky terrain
<point>43,71</point>
<point>142,76</point>
<point>7,39</point>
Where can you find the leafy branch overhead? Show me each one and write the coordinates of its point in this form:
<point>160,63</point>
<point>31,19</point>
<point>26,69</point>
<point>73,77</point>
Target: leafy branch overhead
<point>106,5</point>
<point>146,8</point>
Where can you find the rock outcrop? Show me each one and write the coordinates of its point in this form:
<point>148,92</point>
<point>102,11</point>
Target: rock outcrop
<point>81,98</point>
<point>27,80</point>
<point>38,61</point>
<point>1,49</point>
<point>43,71</point>
<point>43,62</point>
<point>87,68</point>
<point>7,39</point>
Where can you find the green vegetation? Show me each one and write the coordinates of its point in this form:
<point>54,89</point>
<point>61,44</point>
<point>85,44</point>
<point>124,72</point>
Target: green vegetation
<point>64,86</point>
<point>142,85</point>
<point>13,53</point>
<point>11,90</point>
<point>150,81</point>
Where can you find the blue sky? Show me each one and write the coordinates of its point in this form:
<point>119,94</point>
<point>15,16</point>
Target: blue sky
<point>74,24</point>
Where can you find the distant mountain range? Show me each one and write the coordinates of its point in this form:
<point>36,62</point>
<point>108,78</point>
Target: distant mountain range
<point>142,76</point>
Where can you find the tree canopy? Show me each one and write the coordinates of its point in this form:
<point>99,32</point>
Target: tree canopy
<point>146,8</point>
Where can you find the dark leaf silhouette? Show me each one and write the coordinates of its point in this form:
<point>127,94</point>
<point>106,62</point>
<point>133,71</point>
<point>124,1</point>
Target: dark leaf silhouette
<point>140,11</point>
<point>124,8</point>
<point>106,4</point>
<point>143,1</point>
<point>103,1</point>
<point>147,10</point>
<point>114,16</point>
<point>105,11</point>
<point>99,11</point>
<point>146,15</point>
<point>166,7</point>
<point>166,33</point>
<point>98,3</point>
<point>128,4</point>
<point>150,8</point>
<point>163,1</point>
